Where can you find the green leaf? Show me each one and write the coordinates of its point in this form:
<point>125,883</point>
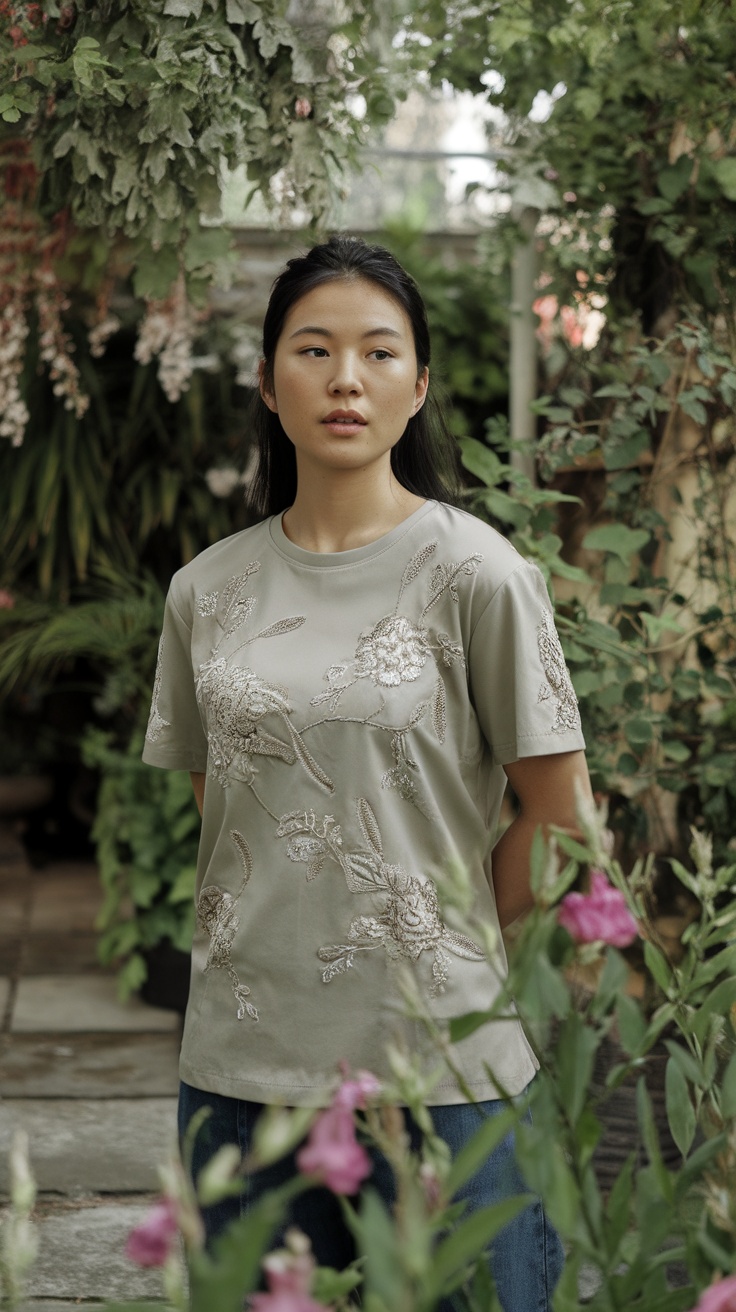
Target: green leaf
<point>680,1110</point>
<point>658,966</point>
<point>631,1024</point>
<point>575,1050</point>
<point>674,179</point>
<point>675,751</point>
<point>725,174</point>
<point>183,8</point>
<point>469,1240</point>
<point>728,1089</point>
<point>618,539</point>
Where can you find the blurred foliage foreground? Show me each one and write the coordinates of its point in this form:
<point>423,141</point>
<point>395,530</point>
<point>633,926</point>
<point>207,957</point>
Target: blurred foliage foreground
<point>661,1233</point>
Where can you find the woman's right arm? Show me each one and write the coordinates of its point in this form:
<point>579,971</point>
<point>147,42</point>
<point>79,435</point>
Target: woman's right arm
<point>198,786</point>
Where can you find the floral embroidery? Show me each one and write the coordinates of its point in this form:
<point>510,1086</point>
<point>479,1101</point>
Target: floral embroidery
<point>207,604</point>
<point>558,682</point>
<point>310,840</point>
<point>395,651</point>
<point>409,922</point>
<point>235,699</point>
<point>156,721</point>
<point>217,916</point>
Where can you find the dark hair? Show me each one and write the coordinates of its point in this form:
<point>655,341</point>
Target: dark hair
<point>424,459</point>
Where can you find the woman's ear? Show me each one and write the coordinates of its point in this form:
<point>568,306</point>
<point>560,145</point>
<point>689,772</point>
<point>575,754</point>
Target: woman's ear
<point>265,389</point>
<point>420,392</point>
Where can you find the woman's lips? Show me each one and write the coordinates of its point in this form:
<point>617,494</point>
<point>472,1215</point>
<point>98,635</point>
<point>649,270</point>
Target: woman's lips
<point>344,423</point>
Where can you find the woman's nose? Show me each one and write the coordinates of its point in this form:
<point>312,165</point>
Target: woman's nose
<point>345,377</point>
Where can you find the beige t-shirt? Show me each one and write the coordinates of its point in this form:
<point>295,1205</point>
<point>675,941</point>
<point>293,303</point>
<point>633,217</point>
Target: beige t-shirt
<point>352,712</point>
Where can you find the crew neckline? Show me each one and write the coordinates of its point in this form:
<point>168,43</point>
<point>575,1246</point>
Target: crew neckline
<point>337,559</point>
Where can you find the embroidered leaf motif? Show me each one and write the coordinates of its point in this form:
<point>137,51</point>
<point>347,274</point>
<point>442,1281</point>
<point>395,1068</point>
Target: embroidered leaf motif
<point>264,744</point>
<point>417,714</point>
<point>281,626</point>
<point>308,760</point>
<point>462,946</point>
<point>246,859</point>
<point>340,959</point>
<point>363,873</point>
<point>238,615</point>
<point>439,710</point>
<point>415,565</point>
<point>231,590</point>
<point>451,651</point>
<point>369,825</point>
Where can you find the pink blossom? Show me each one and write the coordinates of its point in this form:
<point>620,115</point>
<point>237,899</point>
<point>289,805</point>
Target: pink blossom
<point>302,107</point>
<point>598,916</point>
<point>7,600</point>
<point>720,1297</point>
<point>332,1152</point>
<point>288,1277</point>
<point>353,1092</point>
<point>152,1241</point>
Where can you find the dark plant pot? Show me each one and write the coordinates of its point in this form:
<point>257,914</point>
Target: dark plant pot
<point>167,984</point>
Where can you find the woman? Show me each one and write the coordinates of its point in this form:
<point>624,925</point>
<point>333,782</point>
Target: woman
<point>351,682</point>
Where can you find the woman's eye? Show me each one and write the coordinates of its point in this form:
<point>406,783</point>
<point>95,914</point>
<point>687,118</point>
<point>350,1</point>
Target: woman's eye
<point>380,354</point>
<point>318,352</point>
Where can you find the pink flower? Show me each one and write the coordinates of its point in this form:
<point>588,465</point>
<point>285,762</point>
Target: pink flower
<point>720,1297</point>
<point>332,1152</point>
<point>353,1093</point>
<point>302,107</point>
<point>152,1241</point>
<point>7,600</point>
<point>598,916</point>
<point>288,1277</point>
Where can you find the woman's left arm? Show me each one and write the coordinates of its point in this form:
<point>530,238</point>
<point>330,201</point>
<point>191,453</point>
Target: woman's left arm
<point>547,789</point>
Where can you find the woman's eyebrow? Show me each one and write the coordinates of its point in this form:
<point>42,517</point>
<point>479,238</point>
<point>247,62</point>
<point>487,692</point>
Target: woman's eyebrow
<point>314,330</point>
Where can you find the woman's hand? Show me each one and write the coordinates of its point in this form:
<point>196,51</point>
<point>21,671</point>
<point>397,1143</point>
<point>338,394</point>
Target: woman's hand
<point>547,789</point>
<point>198,786</point>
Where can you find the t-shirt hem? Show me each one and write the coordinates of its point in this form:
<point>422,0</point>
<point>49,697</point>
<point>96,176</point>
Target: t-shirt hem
<point>164,760</point>
<point>444,1094</point>
<point>546,744</point>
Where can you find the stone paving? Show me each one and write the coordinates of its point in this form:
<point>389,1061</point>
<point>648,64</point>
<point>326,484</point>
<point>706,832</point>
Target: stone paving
<point>91,1079</point>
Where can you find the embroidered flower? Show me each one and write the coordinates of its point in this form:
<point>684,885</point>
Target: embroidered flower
<point>395,651</point>
<point>156,721</point>
<point>412,917</point>
<point>217,916</point>
<point>558,682</point>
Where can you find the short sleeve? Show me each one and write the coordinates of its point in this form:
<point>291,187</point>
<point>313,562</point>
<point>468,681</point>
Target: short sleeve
<point>175,737</point>
<point>520,684</point>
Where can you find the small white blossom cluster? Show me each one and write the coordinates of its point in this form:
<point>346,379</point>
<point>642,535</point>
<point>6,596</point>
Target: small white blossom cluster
<point>99,335</point>
<point>56,346</point>
<point>13,333</point>
<point>168,331</point>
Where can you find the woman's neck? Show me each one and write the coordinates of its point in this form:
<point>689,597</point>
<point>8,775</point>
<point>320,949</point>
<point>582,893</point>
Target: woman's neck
<point>342,512</point>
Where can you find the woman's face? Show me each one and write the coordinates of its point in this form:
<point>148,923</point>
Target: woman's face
<point>345,378</point>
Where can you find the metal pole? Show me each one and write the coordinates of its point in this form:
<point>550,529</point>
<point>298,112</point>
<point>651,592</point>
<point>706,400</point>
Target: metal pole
<point>523,341</point>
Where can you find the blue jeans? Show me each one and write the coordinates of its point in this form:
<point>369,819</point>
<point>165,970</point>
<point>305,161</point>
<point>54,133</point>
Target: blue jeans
<point>526,1257</point>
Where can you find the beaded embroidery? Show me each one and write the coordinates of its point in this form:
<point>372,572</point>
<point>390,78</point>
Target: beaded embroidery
<point>558,682</point>
<point>409,922</point>
<point>156,721</point>
<point>217,916</point>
